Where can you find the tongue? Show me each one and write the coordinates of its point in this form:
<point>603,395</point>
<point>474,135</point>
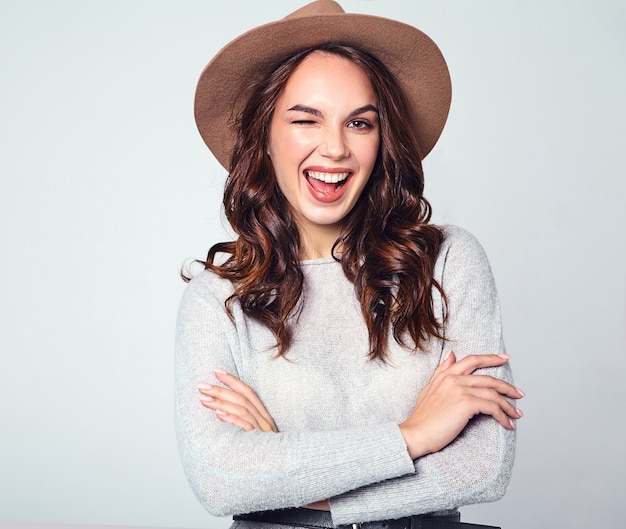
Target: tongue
<point>322,187</point>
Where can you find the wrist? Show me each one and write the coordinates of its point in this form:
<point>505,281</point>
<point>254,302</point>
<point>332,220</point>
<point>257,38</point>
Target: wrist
<point>415,443</point>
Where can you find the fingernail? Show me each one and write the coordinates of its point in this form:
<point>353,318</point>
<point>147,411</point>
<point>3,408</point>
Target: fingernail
<point>207,399</point>
<point>504,355</point>
<point>219,371</point>
<point>221,412</point>
<point>203,386</point>
<point>512,423</point>
<point>520,392</point>
<point>446,355</point>
<point>519,412</point>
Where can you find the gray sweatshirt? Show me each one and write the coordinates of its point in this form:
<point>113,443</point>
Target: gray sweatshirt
<point>337,411</point>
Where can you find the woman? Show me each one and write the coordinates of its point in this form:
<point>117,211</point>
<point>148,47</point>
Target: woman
<point>315,380</point>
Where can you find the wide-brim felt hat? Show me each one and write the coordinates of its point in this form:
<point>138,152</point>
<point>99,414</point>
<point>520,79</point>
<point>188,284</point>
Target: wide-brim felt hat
<point>409,54</point>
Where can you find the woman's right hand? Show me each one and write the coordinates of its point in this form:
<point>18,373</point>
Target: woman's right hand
<point>452,397</point>
<point>236,403</point>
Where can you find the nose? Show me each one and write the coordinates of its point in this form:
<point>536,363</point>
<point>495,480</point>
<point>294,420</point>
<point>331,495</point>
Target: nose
<point>334,144</point>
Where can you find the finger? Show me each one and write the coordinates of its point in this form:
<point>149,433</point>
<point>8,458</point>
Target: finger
<point>467,392</point>
<point>238,415</point>
<point>486,400</point>
<point>216,397</point>
<point>471,363</point>
<point>448,360</point>
<point>498,410</point>
<point>226,395</point>
<point>487,381</point>
<point>483,394</point>
<point>234,420</point>
<point>241,387</point>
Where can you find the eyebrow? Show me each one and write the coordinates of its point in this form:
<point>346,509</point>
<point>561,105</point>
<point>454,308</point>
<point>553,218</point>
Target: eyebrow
<point>319,114</point>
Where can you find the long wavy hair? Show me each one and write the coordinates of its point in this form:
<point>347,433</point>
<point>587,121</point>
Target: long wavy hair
<point>388,248</point>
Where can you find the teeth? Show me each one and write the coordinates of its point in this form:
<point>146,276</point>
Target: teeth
<point>329,178</point>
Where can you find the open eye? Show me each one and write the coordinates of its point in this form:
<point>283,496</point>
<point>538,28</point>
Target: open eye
<point>361,124</point>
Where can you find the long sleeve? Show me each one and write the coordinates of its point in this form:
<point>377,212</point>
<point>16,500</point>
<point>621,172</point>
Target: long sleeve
<point>232,471</point>
<point>476,467</point>
<point>337,411</point>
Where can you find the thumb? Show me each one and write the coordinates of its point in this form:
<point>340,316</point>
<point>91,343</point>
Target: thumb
<point>448,359</point>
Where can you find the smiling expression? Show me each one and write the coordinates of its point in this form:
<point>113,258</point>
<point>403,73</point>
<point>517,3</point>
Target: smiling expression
<point>323,143</point>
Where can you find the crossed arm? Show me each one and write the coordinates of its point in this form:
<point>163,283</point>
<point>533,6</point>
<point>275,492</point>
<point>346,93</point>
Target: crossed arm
<point>454,395</point>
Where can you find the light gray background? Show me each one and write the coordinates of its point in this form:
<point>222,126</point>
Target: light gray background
<point>107,188</point>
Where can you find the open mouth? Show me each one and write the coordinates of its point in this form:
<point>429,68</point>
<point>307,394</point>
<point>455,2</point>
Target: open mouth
<point>324,182</point>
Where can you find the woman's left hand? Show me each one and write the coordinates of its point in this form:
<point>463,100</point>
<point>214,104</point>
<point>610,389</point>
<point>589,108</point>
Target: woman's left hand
<point>236,404</point>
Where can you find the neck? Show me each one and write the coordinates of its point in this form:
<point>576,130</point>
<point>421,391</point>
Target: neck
<point>318,243</point>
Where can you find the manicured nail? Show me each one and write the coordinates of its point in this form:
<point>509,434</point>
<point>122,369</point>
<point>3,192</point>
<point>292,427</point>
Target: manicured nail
<point>520,392</point>
<point>219,371</point>
<point>207,399</point>
<point>446,355</point>
<point>519,412</point>
<point>504,355</point>
<point>221,412</point>
<point>203,386</point>
<point>512,423</point>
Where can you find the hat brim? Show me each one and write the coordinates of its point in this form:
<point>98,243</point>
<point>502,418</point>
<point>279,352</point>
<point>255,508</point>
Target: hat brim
<point>410,55</point>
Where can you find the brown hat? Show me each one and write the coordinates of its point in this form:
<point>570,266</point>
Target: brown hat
<point>409,54</point>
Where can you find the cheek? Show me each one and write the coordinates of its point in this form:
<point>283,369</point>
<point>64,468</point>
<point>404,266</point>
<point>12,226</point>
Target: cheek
<point>298,143</point>
<point>288,149</point>
<point>368,155</point>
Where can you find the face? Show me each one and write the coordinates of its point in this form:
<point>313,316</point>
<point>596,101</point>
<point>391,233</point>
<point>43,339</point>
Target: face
<point>324,138</point>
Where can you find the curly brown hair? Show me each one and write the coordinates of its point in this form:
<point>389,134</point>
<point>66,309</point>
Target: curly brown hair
<point>388,247</point>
